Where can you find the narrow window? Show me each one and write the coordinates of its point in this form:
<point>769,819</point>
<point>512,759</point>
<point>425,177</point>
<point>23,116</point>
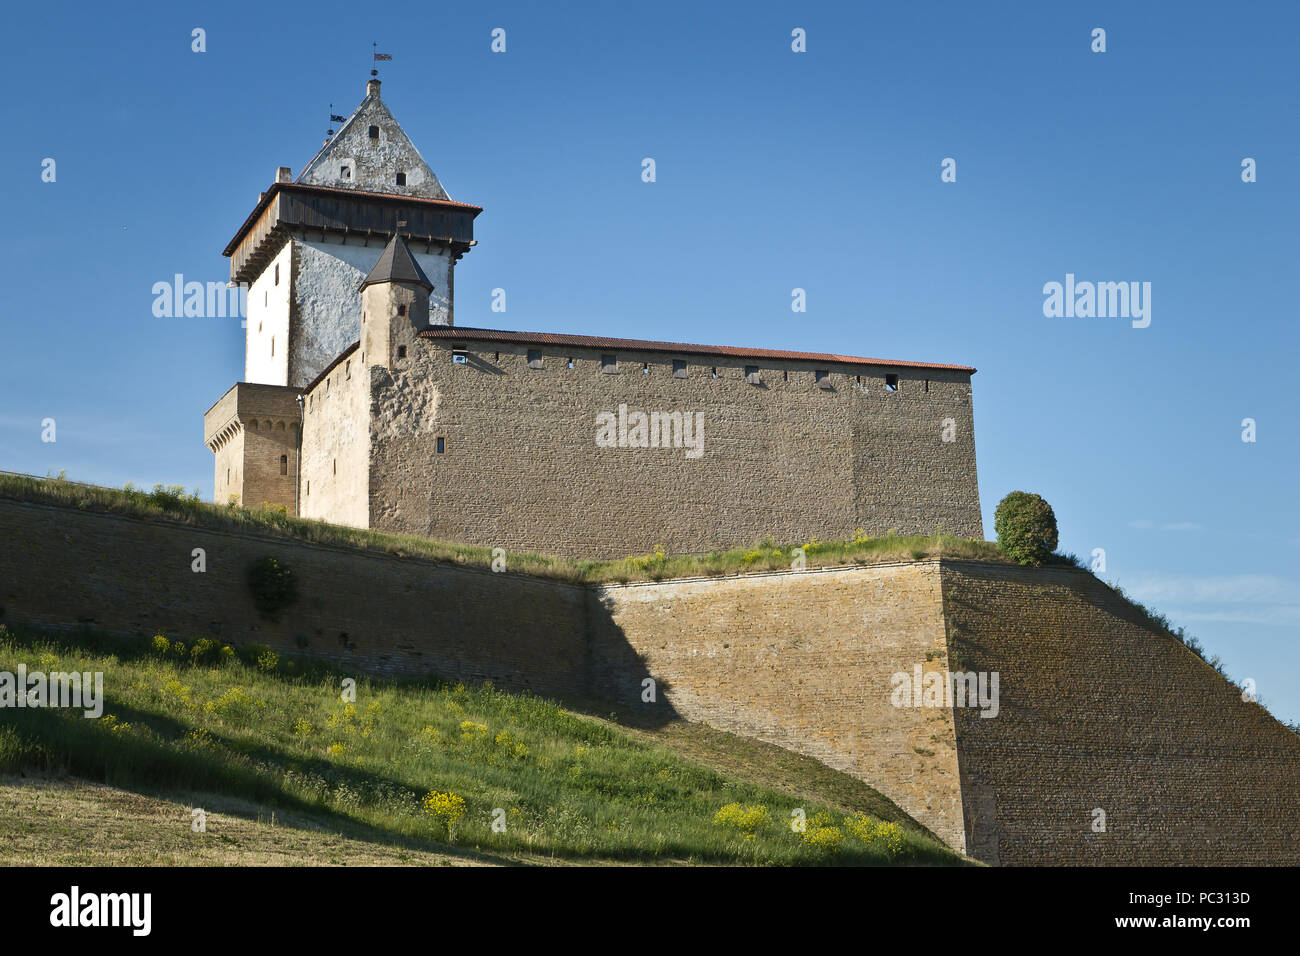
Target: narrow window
<point>401,310</point>
<point>822,379</point>
<point>609,364</point>
<point>401,179</point>
<point>785,375</point>
<point>273,346</point>
<point>891,383</point>
<point>927,385</point>
<point>570,363</point>
<point>347,369</point>
<point>441,446</point>
<point>336,466</point>
<point>259,326</point>
<point>345,172</point>
<point>284,464</point>
<point>496,357</point>
<point>309,486</point>
<point>327,386</point>
<point>715,371</point>
<point>227,476</point>
<point>645,368</point>
<point>277,273</point>
<point>534,358</point>
<point>679,368</point>
<point>459,357</point>
<point>374,132</point>
<point>752,376</point>
<point>401,351</point>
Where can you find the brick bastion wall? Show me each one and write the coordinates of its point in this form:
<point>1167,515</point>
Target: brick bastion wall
<point>1096,710</point>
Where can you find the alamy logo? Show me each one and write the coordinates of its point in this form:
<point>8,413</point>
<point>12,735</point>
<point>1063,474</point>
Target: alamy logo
<point>1102,300</point>
<point>946,689</point>
<point>198,300</point>
<point>103,909</point>
<point>80,691</point>
<point>651,430</point>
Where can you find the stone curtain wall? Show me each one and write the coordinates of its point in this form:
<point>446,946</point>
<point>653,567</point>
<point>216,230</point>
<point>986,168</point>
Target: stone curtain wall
<point>799,659</point>
<point>1095,709</point>
<point>379,613</point>
<point>1099,711</point>
<point>336,445</point>
<point>521,468</point>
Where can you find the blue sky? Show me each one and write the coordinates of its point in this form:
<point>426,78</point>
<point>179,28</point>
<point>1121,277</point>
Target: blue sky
<point>775,170</point>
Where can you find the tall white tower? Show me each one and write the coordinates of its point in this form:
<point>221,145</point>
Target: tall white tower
<point>309,243</point>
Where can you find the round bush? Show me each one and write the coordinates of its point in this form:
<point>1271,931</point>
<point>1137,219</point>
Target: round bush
<point>1026,528</point>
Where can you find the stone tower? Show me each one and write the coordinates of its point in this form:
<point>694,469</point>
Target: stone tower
<point>306,246</point>
<point>394,306</point>
<point>311,251</point>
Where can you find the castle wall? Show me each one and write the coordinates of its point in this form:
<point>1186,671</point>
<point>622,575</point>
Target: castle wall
<point>522,468</point>
<point>800,659</point>
<point>378,613</point>
<point>1100,712</point>
<point>327,306</point>
<point>267,319</point>
<point>336,446</point>
<point>228,484</point>
<point>1095,710</point>
<point>253,431</point>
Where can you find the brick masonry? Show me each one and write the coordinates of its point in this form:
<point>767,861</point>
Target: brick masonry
<point>521,468</point>
<point>1099,711</point>
<point>1096,709</point>
<point>253,432</point>
<point>798,659</point>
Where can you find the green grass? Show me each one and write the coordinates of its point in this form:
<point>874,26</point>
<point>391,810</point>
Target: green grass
<point>173,504</point>
<point>276,731</point>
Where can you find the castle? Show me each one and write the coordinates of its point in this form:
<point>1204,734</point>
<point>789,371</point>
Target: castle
<point>364,404</point>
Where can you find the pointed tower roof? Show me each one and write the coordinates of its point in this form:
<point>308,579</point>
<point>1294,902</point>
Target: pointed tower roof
<point>396,264</point>
<point>372,153</point>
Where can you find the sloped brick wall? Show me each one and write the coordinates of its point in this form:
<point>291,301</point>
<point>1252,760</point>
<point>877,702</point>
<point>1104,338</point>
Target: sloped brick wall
<point>799,659</point>
<point>1095,709</point>
<point>1099,711</point>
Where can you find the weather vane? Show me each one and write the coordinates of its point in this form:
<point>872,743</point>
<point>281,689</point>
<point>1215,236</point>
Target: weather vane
<point>334,118</point>
<point>378,56</point>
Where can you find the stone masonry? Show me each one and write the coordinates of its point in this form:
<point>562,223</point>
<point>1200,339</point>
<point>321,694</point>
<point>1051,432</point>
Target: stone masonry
<point>1096,709</point>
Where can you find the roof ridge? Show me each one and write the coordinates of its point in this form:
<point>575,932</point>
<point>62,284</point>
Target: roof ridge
<point>650,345</point>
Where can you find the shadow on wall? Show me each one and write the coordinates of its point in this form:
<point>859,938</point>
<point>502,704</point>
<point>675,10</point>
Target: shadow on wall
<point>616,673</point>
<point>378,613</point>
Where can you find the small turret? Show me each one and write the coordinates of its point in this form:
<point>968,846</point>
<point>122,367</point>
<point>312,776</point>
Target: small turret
<point>394,306</point>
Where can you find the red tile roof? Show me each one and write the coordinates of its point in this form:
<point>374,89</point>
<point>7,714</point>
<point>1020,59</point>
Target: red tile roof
<point>680,348</point>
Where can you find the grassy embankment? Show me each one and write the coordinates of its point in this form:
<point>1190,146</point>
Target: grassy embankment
<point>418,769</point>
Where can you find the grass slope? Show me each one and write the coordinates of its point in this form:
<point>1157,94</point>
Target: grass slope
<point>61,821</point>
<point>431,767</point>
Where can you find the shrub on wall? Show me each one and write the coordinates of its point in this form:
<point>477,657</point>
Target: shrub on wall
<point>273,585</point>
<point>1026,528</point>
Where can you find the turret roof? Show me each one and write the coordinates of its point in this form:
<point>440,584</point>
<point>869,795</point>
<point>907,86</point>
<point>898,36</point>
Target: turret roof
<point>396,264</point>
